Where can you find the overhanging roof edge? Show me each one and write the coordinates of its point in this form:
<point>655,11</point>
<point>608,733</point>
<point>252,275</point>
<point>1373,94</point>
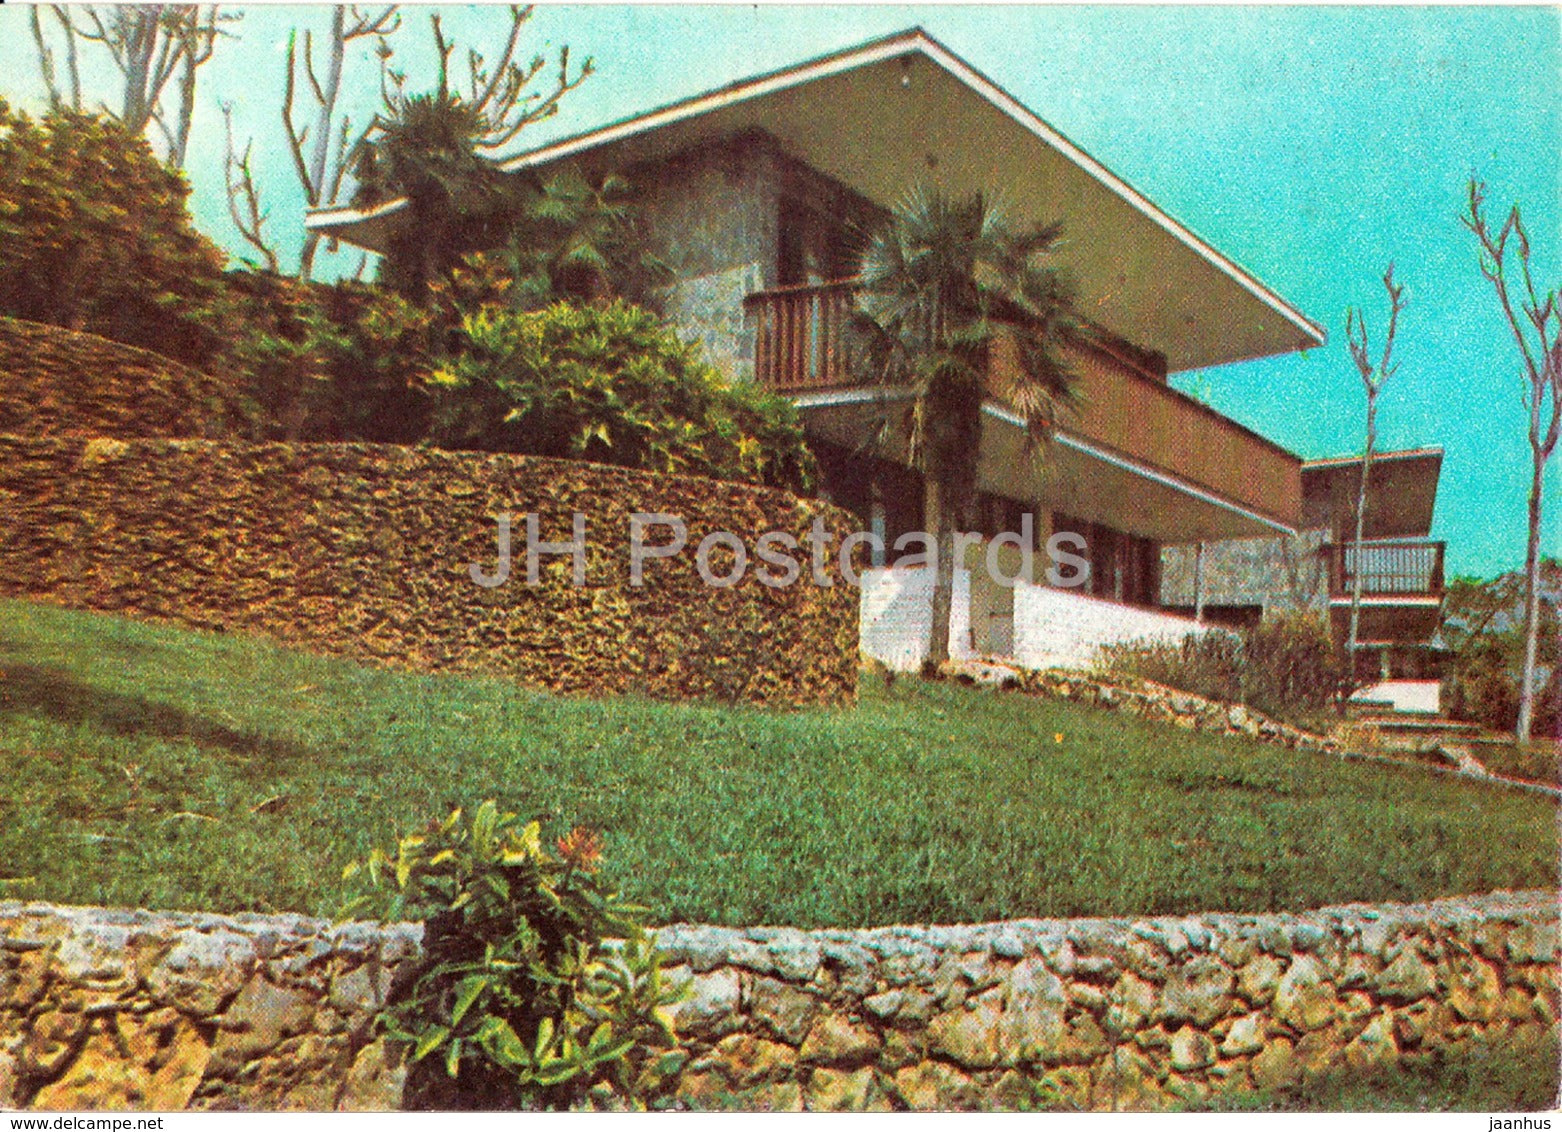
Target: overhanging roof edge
<point>1430,452</point>
<point>1032,121</point>
<point>912,41</point>
<point>917,40</point>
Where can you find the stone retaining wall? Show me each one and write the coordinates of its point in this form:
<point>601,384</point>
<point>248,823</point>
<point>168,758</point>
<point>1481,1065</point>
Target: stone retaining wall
<point>364,550</point>
<point>142,1010</point>
<point>58,382</point>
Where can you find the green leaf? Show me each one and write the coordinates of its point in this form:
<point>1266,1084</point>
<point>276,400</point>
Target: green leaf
<point>466,994</point>
<point>430,1041</point>
<point>483,827</point>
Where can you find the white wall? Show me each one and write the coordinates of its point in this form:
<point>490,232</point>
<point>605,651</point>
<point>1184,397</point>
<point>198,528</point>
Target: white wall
<point>1058,628</point>
<point>896,615</point>
<point>1420,697</point>
<point>1052,628</point>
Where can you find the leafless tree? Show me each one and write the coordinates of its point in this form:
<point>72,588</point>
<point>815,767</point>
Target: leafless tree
<point>243,196</point>
<point>198,29</point>
<point>321,147</point>
<point>497,94</point>
<point>1536,324</point>
<point>150,45</point>
<point>70,98</point>
<point>1373,375</point>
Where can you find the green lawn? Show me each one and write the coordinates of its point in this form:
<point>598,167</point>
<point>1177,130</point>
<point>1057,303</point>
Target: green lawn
<point>156,767</point>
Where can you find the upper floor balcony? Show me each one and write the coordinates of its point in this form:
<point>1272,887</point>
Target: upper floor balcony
<point>1390,569</point>
<point>1127,414</point>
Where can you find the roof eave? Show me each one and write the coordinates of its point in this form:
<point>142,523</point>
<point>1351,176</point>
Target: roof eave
<point>356,226</point>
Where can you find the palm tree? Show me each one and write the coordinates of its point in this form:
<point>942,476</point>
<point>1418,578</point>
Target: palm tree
<point>440,151</point>
<point>458,201</point>
<point>579,241</point>
<point>941,286</point>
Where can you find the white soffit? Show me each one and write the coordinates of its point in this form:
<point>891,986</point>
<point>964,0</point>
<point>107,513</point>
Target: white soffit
<point>905,110</point>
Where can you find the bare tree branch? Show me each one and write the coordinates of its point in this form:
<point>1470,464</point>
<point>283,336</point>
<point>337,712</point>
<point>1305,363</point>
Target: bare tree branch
<point>45,57</point>
<point>243,196</point>
<point>148,46</point>
<point>200,34</point>
<point>58,99</point>
<point>1543,373</point>
<point>320,148</point>
<point>497,95</point>
<point>1373,375</point>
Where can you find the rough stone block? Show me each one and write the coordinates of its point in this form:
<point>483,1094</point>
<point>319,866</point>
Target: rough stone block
<point>1275,1064</point>
<point>748,1060</point>
<point>785,1009</point>
<point>835,1040</point>
<point>1198,991</point>
<point>376,1081</point>
<point>1245,1036</point>
<point>1473,988</point>
<point>1305,999</point>
<point>932,1086</point>
<point>711,1005</point>
<point>1375,1045</point>
<point>1258,979</point>
<point>1406,979</point>
<point>202,971</point>
<point>1191,1049</point>
<point>839,1090</point>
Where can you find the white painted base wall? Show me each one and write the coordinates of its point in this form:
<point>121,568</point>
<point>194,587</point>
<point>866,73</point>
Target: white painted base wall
<point>1052,628</point>
<point>1414,697</point>
<point>896,613</point>
<point>1056,628</point>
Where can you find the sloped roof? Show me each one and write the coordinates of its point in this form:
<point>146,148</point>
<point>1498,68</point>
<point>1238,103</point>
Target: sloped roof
<point>1402,492</point>
<point>904,109</point>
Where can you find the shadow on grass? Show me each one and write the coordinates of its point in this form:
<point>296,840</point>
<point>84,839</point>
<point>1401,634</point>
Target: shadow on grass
<point>56,695</point>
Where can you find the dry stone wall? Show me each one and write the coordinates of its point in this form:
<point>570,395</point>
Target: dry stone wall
<point>108,1009</point>
<point>364,551</point>
<point>142,1010</point>
<point>56,382</point>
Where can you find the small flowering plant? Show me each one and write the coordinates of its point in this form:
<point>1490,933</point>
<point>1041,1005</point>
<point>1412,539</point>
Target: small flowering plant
<point>538,987</point>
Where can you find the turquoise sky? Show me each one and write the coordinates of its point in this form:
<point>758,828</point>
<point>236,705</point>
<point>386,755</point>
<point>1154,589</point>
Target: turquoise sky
<point>1312,145</point>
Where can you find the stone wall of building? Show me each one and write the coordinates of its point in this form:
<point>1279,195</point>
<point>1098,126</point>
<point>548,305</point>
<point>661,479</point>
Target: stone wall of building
<point>1280,574</point>
<point>141,1010</point>
<point>712,216</point>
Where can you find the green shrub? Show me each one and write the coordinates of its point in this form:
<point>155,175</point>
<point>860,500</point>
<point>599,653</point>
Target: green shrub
<point>1482,686</point>
<point>1479,688</point>
<point>284,355</point>
<point>1291,665</point>
<point>610,384</point>
<point>1208,664</point>
<point>1287,666</point>
<point>537,988</point>
<point>341,361</point>
<point>95,236</point>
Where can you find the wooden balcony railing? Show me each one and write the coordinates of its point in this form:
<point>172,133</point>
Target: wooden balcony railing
<point>801,340</point>
<point>801,346</point>
<point>1408,567</point>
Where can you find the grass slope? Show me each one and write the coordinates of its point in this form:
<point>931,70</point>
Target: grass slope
<point>157,767</point>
